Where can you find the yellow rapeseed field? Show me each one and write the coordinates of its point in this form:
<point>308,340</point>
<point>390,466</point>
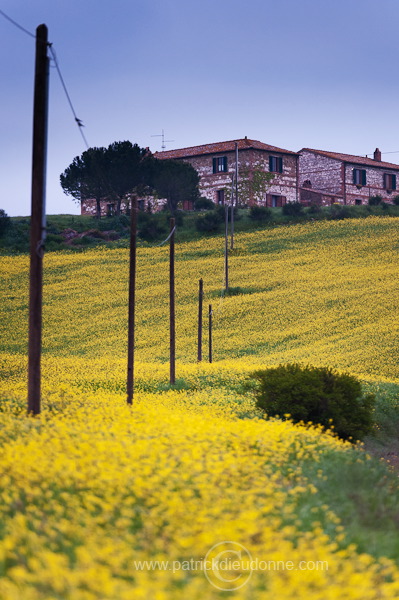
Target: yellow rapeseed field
<point>100,501</point>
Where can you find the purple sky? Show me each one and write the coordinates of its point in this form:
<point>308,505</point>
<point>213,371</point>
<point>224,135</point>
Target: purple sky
<point>315,73</point>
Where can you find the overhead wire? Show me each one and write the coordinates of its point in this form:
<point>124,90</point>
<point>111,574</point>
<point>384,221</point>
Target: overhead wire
<point>77,120</point>
<point>17,24</point>
<point>53,54</point>
<point>80,124</point>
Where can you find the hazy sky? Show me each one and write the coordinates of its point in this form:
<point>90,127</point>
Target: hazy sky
<point>291,73</point>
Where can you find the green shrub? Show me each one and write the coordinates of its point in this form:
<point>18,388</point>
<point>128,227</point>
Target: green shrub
<point>150,227</point>
<point>116,223</point>
<point>260,213</point>
<point>318,395</point>
<point>314,209</point>
<point>292,209</point>
<point>178,216</point>
<point>209,222</point>
<point>203,204</point>
<point>395,200</point>
<point>340,211</point>
<point>375,200</point>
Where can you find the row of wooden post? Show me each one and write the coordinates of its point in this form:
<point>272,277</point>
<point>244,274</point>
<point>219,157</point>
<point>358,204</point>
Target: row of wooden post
<point>38,231</point>
<point>172,321</point>
<point>132,302</point>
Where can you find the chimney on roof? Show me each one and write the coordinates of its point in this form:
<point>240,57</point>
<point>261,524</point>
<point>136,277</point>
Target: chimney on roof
<point>377,155</point>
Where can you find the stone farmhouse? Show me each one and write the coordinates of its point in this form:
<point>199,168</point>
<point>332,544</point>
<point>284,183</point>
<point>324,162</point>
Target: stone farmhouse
<point>329,177</point>
<point>308,176</point>
<point>216,166</point>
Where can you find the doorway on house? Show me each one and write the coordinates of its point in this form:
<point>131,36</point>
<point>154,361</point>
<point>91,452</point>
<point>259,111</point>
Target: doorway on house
<point>220,197</point>
<point>274,200</point>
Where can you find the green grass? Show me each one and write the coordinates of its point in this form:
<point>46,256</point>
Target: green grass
<point>16,239</point>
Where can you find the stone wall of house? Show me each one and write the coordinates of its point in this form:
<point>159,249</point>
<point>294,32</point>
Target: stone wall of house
<point>283,184</point>
<point>309,196</point>
<point>374,184</point>
<point>321,173</point>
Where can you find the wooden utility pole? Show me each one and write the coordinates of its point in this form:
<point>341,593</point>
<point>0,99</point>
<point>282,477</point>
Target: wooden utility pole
<point>234,195</point>
<point>172,325</point>
<point>226,250</point>
<point>200,301</point>
<point>38,218</point>
<point>232,213</point>
<point>210,332</point>
<point>132,301</point>
<point>237,175</point>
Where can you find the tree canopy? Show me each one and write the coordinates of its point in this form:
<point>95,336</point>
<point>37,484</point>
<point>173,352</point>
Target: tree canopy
<point>86,177</point>
<point>123,168</point>
<point>126,169</point>
<point>176,181</point>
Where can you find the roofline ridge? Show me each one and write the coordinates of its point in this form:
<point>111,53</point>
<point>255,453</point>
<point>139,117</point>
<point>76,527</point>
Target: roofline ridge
<point>349,156</point>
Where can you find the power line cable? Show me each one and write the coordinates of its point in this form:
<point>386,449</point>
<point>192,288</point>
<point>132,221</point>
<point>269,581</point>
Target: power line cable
<point>50,45</point>
<point>77,120</point>
<point>17,24</point>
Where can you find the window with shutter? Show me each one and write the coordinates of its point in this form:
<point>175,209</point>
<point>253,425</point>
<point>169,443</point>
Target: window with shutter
<point>359,176</point>
<point>389,181</point>
<point>220,164</point>
<point>275,164</point>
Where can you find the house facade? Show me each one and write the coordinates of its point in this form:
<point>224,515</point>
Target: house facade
<point>331,177</point>
<point>217,165</point>
<point>309,176</point>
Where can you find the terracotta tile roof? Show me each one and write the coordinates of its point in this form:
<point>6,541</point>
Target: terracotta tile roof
<point>219,147</point>
<point>350,158</point>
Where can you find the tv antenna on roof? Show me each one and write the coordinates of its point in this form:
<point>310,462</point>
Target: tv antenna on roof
<point>162,135</point>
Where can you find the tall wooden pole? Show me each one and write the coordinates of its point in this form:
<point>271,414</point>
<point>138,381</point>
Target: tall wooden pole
<point>200,301</point>
<point>172,325</point>
<point>232,214</point>
<point>210,332</point>
<point>38,218</point>
<point>226,250</point>
<point>132,301</point>
<point>237,175</point>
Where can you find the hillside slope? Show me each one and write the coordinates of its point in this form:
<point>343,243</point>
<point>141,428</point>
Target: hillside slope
<point>92,489</point>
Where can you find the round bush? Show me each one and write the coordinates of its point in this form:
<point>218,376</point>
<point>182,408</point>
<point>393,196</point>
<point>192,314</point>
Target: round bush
<point>340,211</point>
<point>262,214</point>
<point>314,209</point>
<point>292,209</point>
<point>316,394</point>
<point>375,200</point>
<point>203,203</point>
<point>208,222</point>
<point>150,227</point>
